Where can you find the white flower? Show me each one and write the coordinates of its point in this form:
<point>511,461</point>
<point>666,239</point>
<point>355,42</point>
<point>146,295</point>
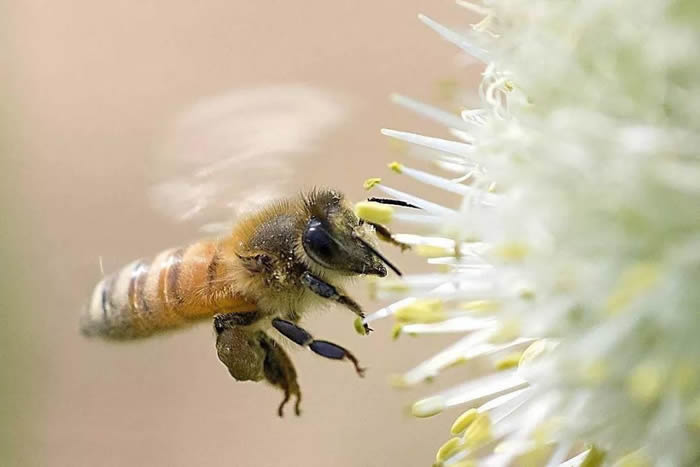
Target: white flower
<point>573,260</point>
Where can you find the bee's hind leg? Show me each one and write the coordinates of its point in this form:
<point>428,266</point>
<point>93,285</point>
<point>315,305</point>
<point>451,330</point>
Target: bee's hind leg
<point>237,347</point>
<point>279,371</point>
<point>253,356</point>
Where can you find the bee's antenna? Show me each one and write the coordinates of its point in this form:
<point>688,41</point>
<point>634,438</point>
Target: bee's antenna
<point>380,256</point>
<point>393,202</point>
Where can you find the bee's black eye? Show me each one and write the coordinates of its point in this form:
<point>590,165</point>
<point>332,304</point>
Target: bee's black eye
<point>318,244</point>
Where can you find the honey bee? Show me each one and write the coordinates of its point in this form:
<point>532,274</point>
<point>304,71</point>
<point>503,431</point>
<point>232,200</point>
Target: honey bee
<point>277,263</point>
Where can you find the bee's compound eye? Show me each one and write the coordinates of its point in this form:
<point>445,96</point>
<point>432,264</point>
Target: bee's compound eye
<point>318,244</point>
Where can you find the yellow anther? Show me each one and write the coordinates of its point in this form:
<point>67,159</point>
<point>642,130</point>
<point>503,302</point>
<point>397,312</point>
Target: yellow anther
<point>527,294</point>
<point>421,311</point>
<point>478,432</point>
<point>594,458</point>
<point>635,459</point>
<point>428,407</point>
<point>545,431</point>
<point>535,350</point>
<point>447,449</point>
<point>483,306</point>
<point>395,166</point>
<point>359,327</point>
<point>398,381</point>
<point>595,373</point>
<point>509,361</point>
<point>645,382</point>
<point>396,331</point>
<point>693,414</point>
<point>503,447</point>
<point>686,376</point>
<point>632,284</point>
<point>508,86</point>
<point>371,183</point>
<point>535,456</point>
<point>392,285</point>
<point>432,251</point>
<point>463,421</point>
<point>461,360</point>
<point>374,212</point>
<point>508,331</point>
<point>511,251</point>
<point>464,463</point>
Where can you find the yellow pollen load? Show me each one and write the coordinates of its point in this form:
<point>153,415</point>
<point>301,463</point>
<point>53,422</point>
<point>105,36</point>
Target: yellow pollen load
<point>421,311</point>
<point>463,421</point>
<point>478,432</point>
<point>632,284</point>
<point>371,183</point>
<point>645,382</point>
<point>428,407</point>
<point>511,251</point>
<point>509,361</point>
<point>396,167</point>
<point>374,212</point>
<point>447,449</point>
<point>432,251</point>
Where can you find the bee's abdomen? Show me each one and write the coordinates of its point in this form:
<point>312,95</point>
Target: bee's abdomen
<point>174,289</point>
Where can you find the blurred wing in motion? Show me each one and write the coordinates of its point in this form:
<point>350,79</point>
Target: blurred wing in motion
<point>232,153</point>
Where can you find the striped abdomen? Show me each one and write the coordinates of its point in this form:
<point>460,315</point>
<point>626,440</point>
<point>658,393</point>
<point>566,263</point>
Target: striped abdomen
<point>178,287</point>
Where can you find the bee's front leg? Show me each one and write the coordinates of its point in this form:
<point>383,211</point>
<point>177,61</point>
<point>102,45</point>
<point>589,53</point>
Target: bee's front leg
<point>326,290</point>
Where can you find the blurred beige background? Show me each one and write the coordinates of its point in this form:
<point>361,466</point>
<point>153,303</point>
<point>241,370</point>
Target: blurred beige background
<point>90,87</point>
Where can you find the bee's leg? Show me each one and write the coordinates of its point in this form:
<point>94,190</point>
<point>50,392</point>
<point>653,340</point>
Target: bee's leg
<point>238,348</point>
<point>326,290</point>
<point>251,355</point>
<point>323,348</point>
<point>385,235</point>
<point>280,372</point>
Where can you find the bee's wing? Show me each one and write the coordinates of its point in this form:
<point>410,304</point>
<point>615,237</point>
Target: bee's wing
<point>232,153</point>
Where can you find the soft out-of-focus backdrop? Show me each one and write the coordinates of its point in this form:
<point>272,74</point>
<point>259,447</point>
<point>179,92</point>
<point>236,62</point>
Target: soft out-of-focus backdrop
<point>89,89</point>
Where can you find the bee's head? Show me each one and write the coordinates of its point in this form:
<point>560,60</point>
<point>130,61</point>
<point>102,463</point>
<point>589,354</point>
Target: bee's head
<point>336,239</point>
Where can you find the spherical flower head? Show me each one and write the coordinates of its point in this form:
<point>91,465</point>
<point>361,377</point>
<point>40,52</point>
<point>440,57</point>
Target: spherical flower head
<point>573,258</point>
